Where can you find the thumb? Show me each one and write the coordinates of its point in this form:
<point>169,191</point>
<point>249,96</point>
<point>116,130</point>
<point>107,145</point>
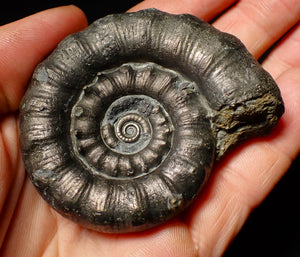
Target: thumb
<point>24,43</point>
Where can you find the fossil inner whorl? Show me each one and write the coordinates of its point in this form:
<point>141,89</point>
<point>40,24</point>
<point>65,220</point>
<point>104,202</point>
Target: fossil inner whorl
<point>126,128</point>
<point>126,136</point>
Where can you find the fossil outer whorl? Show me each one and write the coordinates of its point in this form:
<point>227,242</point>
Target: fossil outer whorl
<point>122,122</point>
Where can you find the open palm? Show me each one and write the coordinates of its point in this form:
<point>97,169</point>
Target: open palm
<point>28,226</point>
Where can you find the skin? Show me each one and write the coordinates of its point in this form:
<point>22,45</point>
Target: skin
<point>240,181</point>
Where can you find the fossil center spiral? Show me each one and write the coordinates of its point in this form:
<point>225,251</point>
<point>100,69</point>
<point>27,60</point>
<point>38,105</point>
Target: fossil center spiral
<point>129,124</point>
<point>128,131</point>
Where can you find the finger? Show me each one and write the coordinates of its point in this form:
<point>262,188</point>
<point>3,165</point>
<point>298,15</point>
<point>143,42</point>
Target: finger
<point>9,155</point>
<point>284,56</point>
<point>24,43</point>
<point>204,9</point>
<point>260,23</point>
<point>32,227</point>
<point>11,172</point>
<point>243,179</point>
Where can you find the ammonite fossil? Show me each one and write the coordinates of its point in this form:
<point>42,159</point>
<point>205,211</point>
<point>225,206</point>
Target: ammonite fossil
<point>121,124</point>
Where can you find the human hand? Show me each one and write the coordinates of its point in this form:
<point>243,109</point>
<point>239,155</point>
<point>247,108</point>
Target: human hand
<point>239,182</point>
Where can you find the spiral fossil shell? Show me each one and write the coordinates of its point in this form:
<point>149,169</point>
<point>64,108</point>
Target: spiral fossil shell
<point>121,124</point>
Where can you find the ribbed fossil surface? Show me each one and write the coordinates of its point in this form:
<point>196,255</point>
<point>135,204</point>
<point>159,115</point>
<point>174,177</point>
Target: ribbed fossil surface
<point>121,124</point>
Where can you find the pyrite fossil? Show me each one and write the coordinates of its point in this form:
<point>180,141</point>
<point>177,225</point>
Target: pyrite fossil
<point>121,124</point>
